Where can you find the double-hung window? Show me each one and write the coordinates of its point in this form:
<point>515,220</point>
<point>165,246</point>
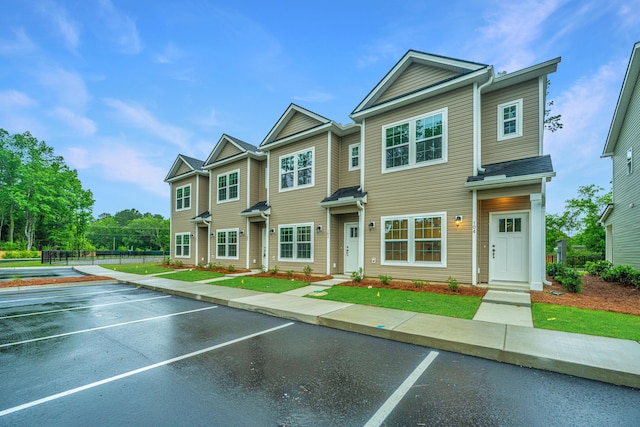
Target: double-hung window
<point>183,197</point>
<point>182,245</point>
<point>229,186</point>
<point>296,170</point>
<point>416,142</point>
<point>354,156</point>
<point>416,240</point>
<point>510,120</point>
<point>227,243</point>
<point>295,242</point>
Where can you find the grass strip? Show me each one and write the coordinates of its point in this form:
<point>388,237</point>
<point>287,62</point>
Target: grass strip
<point>192,275</point>
<point>582,321</point>
<point>463,307</point>
<point>31,263</point>
<point>137,268</point>
<point>262,284</point>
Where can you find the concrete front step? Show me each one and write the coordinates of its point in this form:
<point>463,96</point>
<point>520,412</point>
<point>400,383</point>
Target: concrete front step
<point>520,299</point>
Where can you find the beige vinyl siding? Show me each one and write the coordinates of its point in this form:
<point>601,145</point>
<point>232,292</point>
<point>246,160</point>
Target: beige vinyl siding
<point>262,194</point>
<point>298,123</point>
<point>494,151</point>
<point>300,205</point>
<point>257,182</point>
<point>180,220</point>
<point>227,214</point>
<point>626,188</point>
<point>228,150</point>
<point>522,190</point>
<point>202,201</point>
<point>335,164</point>
<point>348,178</point>
<point>505,204</point>
<point>184,168</point>
<point>428,189</point>
<point>416,76</point>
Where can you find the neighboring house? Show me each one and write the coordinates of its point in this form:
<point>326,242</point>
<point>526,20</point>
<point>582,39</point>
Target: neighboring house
<point>622,217</point>
<point>441,174</point>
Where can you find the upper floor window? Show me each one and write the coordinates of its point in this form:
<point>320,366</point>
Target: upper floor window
<point>227,243</point>
<point>295,242</point>
<point>354,156</point>
<point>296,170</point>
<point>182,245</point>
<point>228,186</point>
<point>417,240</point>
<point>183,197</point>
<point>419,141</point>
<point>629,161</point>
<point>510,120</point>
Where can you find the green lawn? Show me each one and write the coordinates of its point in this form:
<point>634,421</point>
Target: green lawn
<point>192,275</point>
<point>31,263</point>
<point>463,307</point>
<point>262,284</point>
<point>581,321</point>
<point>138,268</point>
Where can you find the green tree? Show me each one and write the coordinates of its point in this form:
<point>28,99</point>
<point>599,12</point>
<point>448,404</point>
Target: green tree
<point>556,224</point>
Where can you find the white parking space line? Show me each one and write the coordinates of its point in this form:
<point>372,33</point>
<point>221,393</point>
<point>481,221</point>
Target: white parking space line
<point>137,371</point>
<point>105,327</point>
<point>68,295</point>
<point>81,307</point>
<point>393,400</point>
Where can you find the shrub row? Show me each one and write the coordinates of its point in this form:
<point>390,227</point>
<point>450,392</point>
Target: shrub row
<point>622,274</point>
<point>21,254</point>
<point>570,278</point>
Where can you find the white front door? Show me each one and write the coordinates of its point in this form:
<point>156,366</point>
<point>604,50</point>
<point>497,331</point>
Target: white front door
<point>351,246</point>
<point>509,247</point>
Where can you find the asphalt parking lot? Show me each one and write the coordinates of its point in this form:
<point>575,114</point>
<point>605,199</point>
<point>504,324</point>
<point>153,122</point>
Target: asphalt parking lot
<point>113,354</point>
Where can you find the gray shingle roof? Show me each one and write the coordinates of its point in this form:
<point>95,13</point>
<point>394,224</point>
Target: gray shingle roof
<point>344,193</point>
<point>521,167</point>
<point>241,143</point>
<point>194,163</point>
<point>260,207</point>
<point>203,215</point>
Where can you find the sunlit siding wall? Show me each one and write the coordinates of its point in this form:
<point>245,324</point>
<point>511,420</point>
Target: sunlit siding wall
<point>416,76</point>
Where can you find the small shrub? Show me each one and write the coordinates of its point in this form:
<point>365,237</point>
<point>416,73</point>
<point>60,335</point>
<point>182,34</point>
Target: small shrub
<point>289,274</point>
<point>386,280</point>
<point>570,278</point>
<point>179,263</point>
<point>274,270</point>
<point>307,271</point>
<point>201,264</point>
<point>263,268</point>
<point>595,268</point>
<point>623,274</point>
<point>555,269</point>
<point>16,254</point>
<point>418,283</point>
<point>231,268</point>
<point>357,276</point>
<point>166,260</point>
<point>453,284</point>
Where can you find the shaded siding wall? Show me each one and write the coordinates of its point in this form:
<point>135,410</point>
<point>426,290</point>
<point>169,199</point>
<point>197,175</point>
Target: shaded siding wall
<point>348,178</point>
<point>180,219</point>
<point>228,151</point>
<point>298,123</point>
<point>436,188</point>
<point>626,188</point>
<point>494,151</point>
<point>300,205</point>
<point>416,76</point>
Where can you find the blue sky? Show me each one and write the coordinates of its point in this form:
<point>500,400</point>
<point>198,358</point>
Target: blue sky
<point>120,88</point>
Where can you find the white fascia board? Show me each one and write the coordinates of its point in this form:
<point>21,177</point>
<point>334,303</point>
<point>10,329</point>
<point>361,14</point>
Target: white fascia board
<point>492,182</point>
<point>239,156</point>
<point>535,71</point>
<point>344,201</point>
<point>298,136</point>
<point>605,214</point>
<point>476,76</point>
<point>186,175</point>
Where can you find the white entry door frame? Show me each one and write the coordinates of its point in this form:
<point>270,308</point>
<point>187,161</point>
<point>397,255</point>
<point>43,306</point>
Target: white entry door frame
<point>509,247</point>
<point>351,246</point>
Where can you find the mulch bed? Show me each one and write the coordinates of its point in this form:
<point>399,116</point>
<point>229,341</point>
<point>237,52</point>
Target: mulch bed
<point>596,295</point>
<point>50,281</point>
<point>439,288</point>
<point>295,276</point>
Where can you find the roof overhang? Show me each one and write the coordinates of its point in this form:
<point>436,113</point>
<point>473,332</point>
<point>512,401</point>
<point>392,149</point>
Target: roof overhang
<point>239,156</point>
<point>338,129</point>
<point>344,201</point>
<point>504,80</point>
<point>606,213</point>
<point>501,181</point>
<point>186,175</point>
<point>256,212</point>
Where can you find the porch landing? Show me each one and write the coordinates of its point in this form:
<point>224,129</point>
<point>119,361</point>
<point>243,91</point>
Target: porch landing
<point>507,307</point>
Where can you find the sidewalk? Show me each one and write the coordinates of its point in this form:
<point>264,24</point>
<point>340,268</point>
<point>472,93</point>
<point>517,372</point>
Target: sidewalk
<point>609,360</point>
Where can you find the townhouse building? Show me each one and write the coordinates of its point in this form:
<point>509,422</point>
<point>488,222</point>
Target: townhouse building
<point>441,174</point>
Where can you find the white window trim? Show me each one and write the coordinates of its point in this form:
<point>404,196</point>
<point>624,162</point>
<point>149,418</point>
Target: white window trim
<point>629,161</point>
<point>412,155</point>
<point>295,171</point>
<point>518,132</point>
<point>227,174</point>
<point>411,241</point>
<point>182,245</point>
<point>351,167</point>
<point>226,231</point>
<point>175,195</point>
<point>295,234</point>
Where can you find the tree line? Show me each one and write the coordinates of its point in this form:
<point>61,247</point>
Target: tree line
<point>43,205</point>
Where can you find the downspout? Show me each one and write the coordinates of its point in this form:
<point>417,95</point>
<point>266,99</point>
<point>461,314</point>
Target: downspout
<point>543,187</point>
<point>477,135</point>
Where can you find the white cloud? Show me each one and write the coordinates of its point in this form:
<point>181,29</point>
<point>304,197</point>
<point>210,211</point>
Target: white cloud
<point>20,44</point>
<point>137,116</point>
<point>628,13</point>
<point>122,29</point>
<point>170,54</point>
<point>82,125</point>
<point>315,97</point>
<point>11,99</point>
<point>67,27</point>
<point>69,87</point>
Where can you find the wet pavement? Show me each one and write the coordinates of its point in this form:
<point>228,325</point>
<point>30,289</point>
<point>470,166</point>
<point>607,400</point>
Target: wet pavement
<point>119,355</point>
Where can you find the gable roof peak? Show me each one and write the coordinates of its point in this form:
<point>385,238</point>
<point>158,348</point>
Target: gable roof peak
<point>288,114</point>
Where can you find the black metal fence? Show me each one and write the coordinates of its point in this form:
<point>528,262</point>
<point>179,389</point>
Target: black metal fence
<point>102,257</point>
<point>577,261</point>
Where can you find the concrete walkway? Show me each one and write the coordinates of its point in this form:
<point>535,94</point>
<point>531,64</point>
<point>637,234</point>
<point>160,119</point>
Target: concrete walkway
<point>609,360</point>
<point>506,307</point>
